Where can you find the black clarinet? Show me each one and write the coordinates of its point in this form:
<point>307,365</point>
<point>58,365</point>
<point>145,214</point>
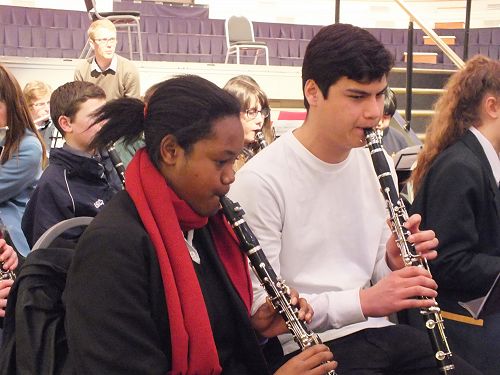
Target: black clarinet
<point>261,140</point>
<point>117,163</point>
<point>277,290</point>
<point>398,216</point>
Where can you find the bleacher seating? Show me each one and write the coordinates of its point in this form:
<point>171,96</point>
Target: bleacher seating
<point>187,34</point>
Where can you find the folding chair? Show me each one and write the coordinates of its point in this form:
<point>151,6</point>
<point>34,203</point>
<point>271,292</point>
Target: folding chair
<point>240,36</point>
<point>56,230</point>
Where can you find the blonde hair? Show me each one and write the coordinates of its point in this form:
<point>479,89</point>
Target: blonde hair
<point>36,90</point>
<point>457,110</point>
<point>100,24</point>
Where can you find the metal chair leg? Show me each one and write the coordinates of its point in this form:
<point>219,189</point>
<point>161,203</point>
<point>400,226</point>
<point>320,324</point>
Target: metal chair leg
<point>257,53</point>
<point>85,49</point>
<point>130,48</point>
<point>140,41</point>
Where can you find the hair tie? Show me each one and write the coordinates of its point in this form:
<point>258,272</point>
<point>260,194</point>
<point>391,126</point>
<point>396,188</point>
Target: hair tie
<point>145,109</point>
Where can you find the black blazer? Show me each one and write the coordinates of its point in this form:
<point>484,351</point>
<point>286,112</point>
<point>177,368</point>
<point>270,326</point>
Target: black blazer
<point>460,200</point>
<point>115,274</point>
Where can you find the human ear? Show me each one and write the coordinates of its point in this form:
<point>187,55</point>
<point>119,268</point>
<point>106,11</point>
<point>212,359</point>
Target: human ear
<point>492,106</point>
<point>65,124</point>
<point>311,92</point>
<point>169,150</point>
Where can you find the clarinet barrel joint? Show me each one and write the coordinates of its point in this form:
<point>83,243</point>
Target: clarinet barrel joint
<point>117,163</point>
<point>261,140</point>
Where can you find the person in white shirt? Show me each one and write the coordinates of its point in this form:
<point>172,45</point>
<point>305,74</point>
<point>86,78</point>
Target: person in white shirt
<point>313,200</point>
<point>456,180</point>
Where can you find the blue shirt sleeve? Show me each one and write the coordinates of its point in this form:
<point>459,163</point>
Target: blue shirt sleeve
<point>22,169</point>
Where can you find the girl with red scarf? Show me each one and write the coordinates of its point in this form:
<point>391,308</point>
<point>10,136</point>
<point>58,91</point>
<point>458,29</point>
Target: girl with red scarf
<point>158,284</point>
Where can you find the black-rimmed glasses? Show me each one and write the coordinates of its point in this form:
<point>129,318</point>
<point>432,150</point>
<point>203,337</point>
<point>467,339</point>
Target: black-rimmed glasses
<point>253,112</point>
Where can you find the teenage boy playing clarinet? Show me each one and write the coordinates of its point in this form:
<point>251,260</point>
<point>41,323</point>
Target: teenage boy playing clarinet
<point>78,180</point>
<point>312,199</point>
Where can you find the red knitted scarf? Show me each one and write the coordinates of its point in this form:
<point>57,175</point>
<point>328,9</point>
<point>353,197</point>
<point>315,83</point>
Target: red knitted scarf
<point>165,216</point>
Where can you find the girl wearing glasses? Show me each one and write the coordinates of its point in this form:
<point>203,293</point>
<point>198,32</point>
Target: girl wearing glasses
<point>23,152</point>
<point>254,115</point>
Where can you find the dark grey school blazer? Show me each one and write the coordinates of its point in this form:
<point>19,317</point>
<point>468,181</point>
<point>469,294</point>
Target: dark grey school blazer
<point>460,201</point>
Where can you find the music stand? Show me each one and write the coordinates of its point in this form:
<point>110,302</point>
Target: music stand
<point>404,162</point>
<point>405,158</point>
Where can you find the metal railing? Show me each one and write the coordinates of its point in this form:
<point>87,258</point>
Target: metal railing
<point>430,32</point>
<point>455,59</point>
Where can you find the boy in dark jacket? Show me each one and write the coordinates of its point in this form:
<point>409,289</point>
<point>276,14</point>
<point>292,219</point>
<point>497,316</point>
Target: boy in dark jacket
<point>78,180</point>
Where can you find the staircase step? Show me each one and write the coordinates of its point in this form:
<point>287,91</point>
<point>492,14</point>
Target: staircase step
<point>423,57</point>
<point>448,39</point>
<point>450,25</point>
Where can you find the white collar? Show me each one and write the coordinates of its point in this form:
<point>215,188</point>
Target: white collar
<point>192,250</point>
<point>491,154</point>
<point>112,66</point>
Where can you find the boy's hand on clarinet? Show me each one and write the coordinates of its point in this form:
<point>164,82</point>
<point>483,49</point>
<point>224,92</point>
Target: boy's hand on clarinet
<point>8,256</point>
<point>269,323</point>
<point>312,361</point>
<point>398,291</point>
<point>425,243</point>
<point>306,311</point>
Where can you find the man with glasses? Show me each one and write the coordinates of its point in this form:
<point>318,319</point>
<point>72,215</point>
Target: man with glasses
<point>116,75</point>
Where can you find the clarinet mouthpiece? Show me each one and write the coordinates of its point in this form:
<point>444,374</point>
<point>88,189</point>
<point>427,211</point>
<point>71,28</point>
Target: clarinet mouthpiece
<point>259,137</point>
